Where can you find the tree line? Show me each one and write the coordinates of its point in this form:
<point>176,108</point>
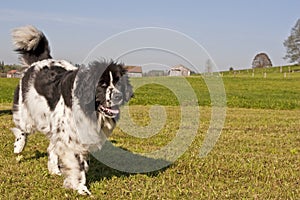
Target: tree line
<point>4,68</point>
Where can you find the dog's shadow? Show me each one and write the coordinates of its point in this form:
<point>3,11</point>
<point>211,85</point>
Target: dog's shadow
<point>37,155</point>
<point>113,161</point>
<point>5,112</point>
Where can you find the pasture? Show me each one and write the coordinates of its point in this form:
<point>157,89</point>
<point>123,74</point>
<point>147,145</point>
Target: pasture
<point>256,157</point>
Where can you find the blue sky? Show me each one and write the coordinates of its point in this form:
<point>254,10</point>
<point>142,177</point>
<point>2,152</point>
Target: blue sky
<point>231,31</point>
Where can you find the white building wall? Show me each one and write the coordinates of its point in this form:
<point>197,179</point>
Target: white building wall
<point>130,74</point>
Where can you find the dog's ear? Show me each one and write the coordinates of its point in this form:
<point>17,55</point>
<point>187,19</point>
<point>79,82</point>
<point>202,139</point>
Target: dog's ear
<point>86,82</point>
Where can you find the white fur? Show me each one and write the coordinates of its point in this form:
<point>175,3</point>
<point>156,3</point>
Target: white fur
<point>26,37</point>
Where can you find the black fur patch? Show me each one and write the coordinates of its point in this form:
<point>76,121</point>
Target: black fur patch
<point>48,84</point>
<point>52,82</point>
<point>67,86</point>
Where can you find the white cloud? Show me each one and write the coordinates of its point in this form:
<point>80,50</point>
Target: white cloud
<point>9,15</point>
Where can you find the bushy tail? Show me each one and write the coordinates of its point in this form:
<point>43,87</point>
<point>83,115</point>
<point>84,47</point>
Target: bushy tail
<point>31,44</point>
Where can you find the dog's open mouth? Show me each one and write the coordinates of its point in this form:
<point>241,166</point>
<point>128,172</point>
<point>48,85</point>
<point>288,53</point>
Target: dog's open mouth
<point>109,112</point>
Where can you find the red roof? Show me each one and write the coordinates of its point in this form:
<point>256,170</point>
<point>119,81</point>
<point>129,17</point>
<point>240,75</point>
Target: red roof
<point>12,71</point>
<point>133,69</point>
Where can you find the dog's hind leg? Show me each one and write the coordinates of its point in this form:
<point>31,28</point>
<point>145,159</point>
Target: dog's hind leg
<point>19,130</point>
<point>20,140</point>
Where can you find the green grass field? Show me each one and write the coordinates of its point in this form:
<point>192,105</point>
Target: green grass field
<point>256,157</point>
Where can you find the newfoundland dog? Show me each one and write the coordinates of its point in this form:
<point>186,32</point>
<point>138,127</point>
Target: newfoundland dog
<point>76,107</point>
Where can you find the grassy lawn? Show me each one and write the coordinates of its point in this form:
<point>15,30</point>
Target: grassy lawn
<point>7,88</point>
<point>241,92</point>
<point>263,93</point>
<point>256,157</point>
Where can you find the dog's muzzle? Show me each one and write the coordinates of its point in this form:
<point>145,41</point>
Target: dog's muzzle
<point>111,109</point>
<point>110,112</point>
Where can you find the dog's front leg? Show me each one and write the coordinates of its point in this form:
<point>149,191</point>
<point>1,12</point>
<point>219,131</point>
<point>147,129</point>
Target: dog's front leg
<point>83,167</point>
<point>53,165</point>
<point>73,168</point>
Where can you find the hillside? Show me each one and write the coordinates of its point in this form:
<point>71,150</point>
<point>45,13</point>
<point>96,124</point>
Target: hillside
<point>272,72</point>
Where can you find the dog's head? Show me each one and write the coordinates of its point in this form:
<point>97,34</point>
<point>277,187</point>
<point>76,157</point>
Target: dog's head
<point>112,90</point>
<point>102,87</point>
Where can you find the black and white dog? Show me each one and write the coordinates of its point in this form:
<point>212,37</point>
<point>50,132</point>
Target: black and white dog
<point>77,108</point>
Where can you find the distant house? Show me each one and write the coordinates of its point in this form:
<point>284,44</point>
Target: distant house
<point>134,71</point>
<point>179,70</point>
<point>13,74</point>
<point>156,73</point>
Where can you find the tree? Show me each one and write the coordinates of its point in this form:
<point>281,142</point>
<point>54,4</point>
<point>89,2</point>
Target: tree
<point>261,60</point>
<point>209,66</point>
<point>2,66</point>
<point>292,44</point>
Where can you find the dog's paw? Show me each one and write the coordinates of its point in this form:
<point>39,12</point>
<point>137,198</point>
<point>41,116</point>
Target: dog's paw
<point>82,189</point>
<point>53,168</point>
<point>20,140</point>
<point>55,171</point>
<point>19,144</point>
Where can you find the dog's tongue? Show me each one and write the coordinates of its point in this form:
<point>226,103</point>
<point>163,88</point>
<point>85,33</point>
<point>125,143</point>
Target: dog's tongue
<point>114,111</point>
<point>110,110</point>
